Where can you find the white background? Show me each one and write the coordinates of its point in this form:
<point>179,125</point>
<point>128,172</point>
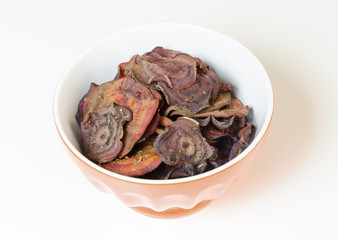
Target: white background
<point>291,191</point>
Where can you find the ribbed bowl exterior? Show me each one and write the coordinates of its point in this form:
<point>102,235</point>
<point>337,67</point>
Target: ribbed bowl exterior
<point>162,197</point>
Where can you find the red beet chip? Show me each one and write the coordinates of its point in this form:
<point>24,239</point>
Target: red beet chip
<point>246,134</point>
<point>84,103</point>
<point>225,87</point>
<point>223,99</point>
<point>183,141</point>
<point>195,98</point>
<point>102,133</point>
<point>230,127</point>
<point>182,169</point>
<point>177,69</point>
<point>237,148</point>
<point>185,81</point>
<point>144,161</point>
<point>141,100</point>
<point>235,108</point>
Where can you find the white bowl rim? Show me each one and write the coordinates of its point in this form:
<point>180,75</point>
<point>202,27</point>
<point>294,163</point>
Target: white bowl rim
<point>79,155</point>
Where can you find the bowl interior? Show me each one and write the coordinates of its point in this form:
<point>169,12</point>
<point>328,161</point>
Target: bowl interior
<point>232,62</point>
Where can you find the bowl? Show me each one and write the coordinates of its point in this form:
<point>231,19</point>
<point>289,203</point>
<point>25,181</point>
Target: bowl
<point>233,63</point>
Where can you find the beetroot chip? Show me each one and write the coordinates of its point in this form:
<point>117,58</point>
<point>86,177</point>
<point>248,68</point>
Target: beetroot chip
<point>102,133</point>
<point>84,103</point>
<point>183,141</point>
<point>142,101</point>
<point>185,81</point>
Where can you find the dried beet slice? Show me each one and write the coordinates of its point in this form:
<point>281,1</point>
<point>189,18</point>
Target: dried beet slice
<point>156,118</point>
<point>151,127</point>
<point>235,108</point>
<point>164,121</point>
<point>183,141</point>
<point>142,101</point>
<point>222,123</point>
<point>246,134</point>
<point>237,148</point>
<point>224,146</point>
<point>185,169</point>
<point>185,81</point>
<point>217,163</point>
<point>176,69</point>
<point>178,173</point>
<point>160,130</point>
<point>102,133</point>
<point>202,166</point>
<point>84,103</point>
<point>240,121</point>
<point>223,99</point>
<point>203,121</point>
<point>182,169</point>
<point>173,110</point>
<point>121,71</point>
<point>225,87</point>
<point>163,172</point>
<point>144,161</point>
<point>195,98</point>
<point>211,132</point>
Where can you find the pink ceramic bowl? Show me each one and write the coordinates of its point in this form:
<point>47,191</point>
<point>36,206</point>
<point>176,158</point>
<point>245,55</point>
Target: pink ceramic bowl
<point>232,62</point>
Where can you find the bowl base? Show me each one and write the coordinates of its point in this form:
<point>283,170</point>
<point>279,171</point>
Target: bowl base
<point>172,212</point>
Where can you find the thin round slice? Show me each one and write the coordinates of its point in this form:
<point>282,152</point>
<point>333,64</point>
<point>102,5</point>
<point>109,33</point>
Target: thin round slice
<point>177,69</point>
<point>183,141</point>
<point>144,161</point>
<point>142,101</point>
<point>102,133</point>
